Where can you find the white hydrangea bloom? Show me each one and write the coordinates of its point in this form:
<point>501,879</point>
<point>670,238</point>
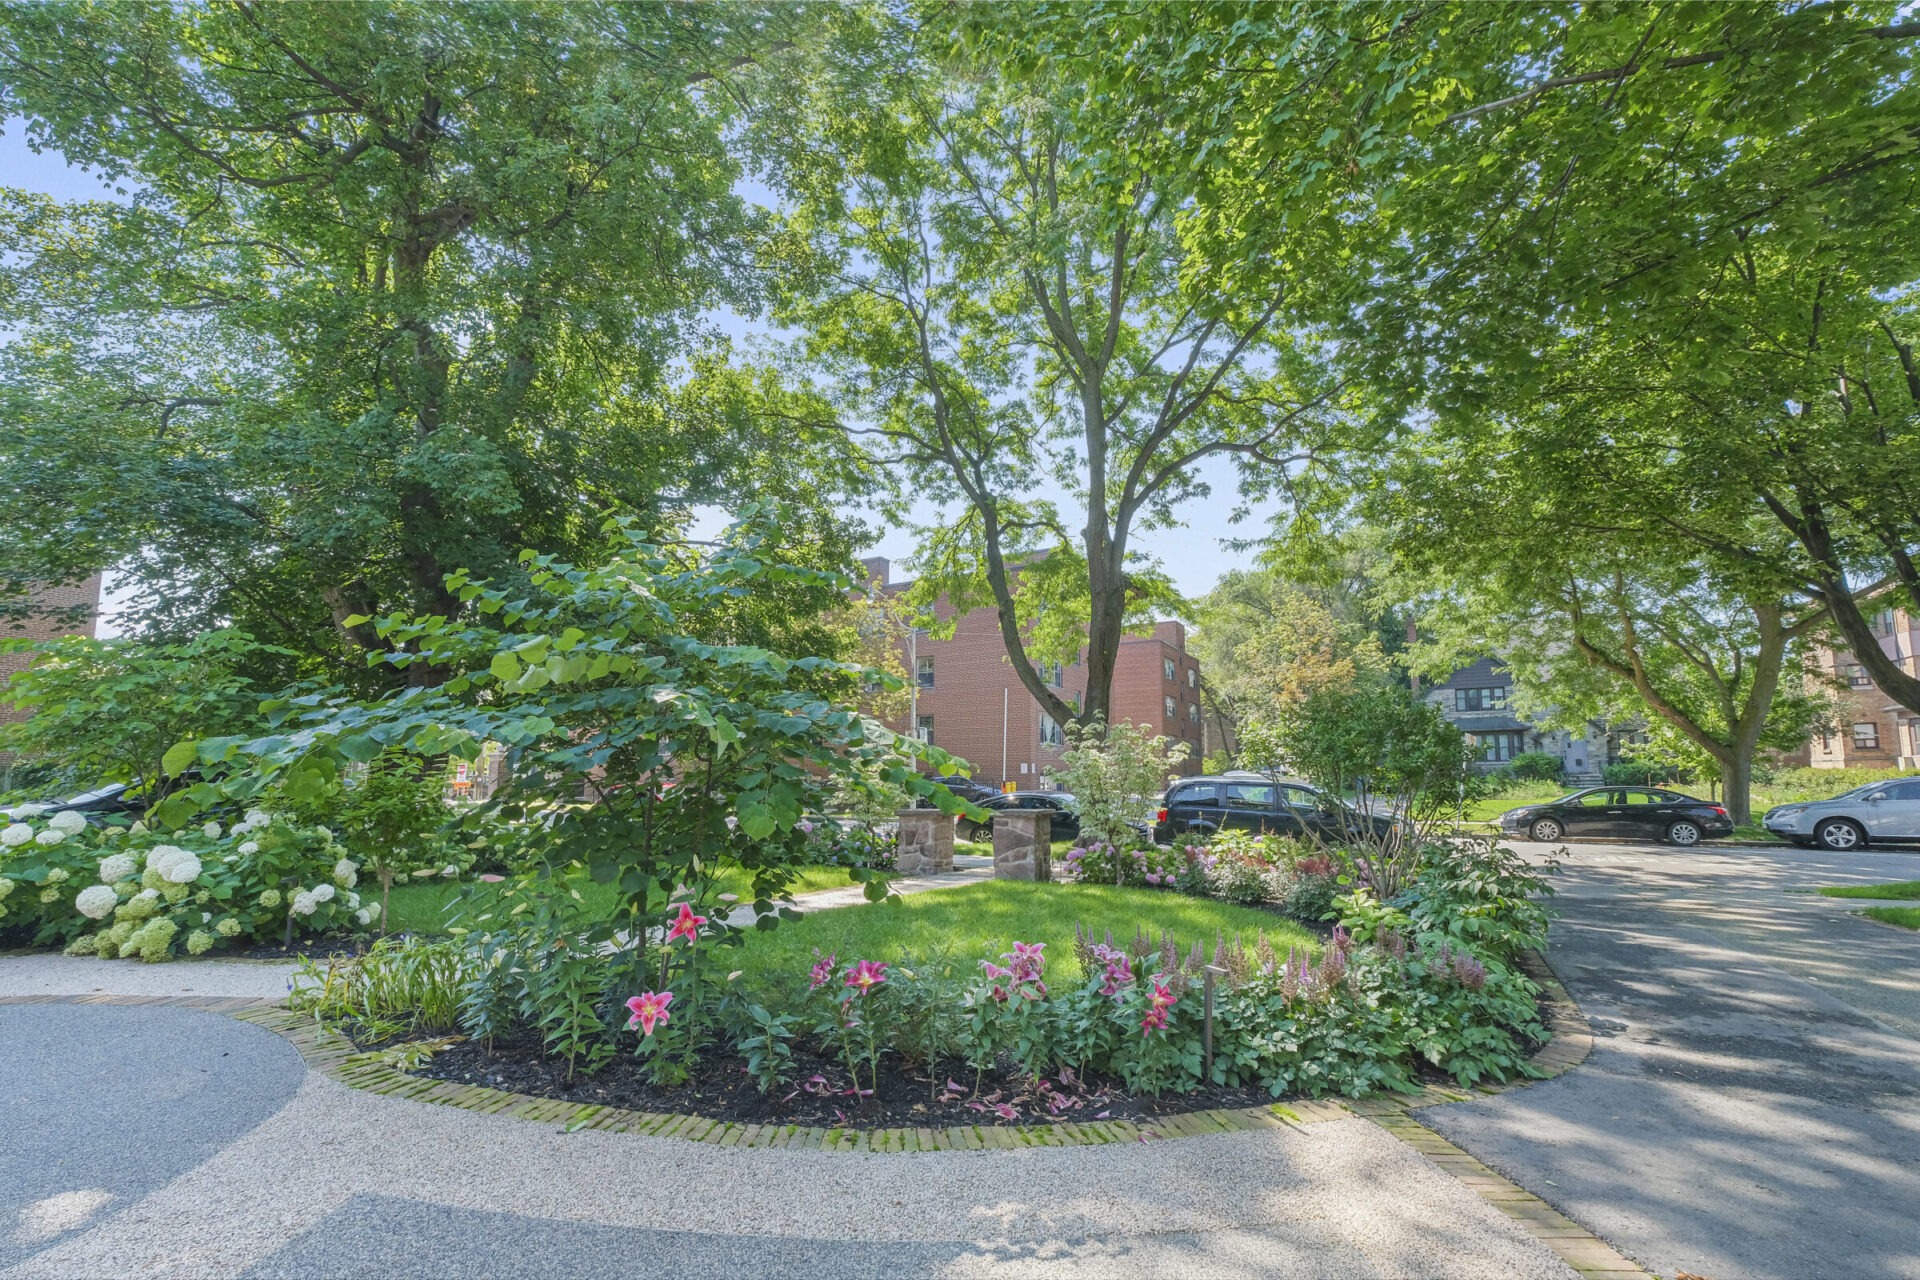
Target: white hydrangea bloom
<point>6,886</point>
<point>326,833</point>
<point>211,831</point>
<point>117,867</point>
<point>184,869</point>
<point>16,835</point>
<point>363,916</point>
<point>304,904</point>
<point>258,817</point>
<point>29,810</point>
<point>68,821</point>
<point>353,899</point>
<point>58,875</point>
<point>96,902</point>
<point>147,895</point>
<point>345,874</point>
<point>250,848</point>
<point>321,893</point>
<point>137,829</point>
<point>227,928</point>
<point>50,837</point>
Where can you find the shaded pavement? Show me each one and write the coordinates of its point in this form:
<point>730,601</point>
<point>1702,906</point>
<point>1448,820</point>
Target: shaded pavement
<point>1751,1107</point>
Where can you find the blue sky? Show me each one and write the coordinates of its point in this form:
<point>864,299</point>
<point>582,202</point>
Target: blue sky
<point>1193,554</point>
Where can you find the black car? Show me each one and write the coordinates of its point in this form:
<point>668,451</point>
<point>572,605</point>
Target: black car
<point>116,799</point>
<point>1200,806</point>
<point>1066,822</point>
<point>966,788</point>
<point>1619,813</point>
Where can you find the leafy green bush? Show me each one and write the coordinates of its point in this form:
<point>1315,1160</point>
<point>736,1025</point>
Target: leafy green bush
<point>118,892</point>
<point>1482,894</point>
<point>1113,772</point>
<point>1638,773</point>
<point>1535,766</point>
<point>411,984</point>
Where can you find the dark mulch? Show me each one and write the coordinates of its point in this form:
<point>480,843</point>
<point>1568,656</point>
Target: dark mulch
<point>907,1097</point>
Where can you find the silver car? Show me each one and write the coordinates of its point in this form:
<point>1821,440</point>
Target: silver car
<point>1878,813</point>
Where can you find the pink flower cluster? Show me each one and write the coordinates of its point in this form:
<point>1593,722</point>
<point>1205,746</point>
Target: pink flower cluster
<point>687,925</point>
<point>866,975</point>
<point>1118,974</point>
<point>1021,974</point>
<point>823,967</point>
<point>1159,1000</point>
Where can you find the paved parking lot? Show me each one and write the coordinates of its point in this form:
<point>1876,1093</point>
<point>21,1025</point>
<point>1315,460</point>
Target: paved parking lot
<point>1752,1104</point>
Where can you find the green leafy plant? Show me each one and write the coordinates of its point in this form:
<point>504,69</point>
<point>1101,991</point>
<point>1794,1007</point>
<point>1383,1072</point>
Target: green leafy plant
<point>1113,772</point>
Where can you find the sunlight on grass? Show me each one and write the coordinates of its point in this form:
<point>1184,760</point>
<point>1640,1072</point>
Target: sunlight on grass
<point>968,923</point>
<point>1899,890</point>
<point>1905,917</point>
<point>430,907</point>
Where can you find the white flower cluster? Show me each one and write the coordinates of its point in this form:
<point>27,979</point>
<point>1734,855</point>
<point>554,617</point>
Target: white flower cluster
<point>175,865</point>
<point>116,867</point>
<point>50,837</point>
<point>67,822</point>
<point>211,831</point>
<point>345,874</point>
<point>97,901</point>
<point>15,835</point>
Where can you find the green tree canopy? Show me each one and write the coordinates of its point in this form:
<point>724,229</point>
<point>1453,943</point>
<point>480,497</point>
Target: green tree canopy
<point>393,289</point>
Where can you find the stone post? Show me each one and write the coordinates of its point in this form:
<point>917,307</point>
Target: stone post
<point>1023,844</point>
<point>926,842</point>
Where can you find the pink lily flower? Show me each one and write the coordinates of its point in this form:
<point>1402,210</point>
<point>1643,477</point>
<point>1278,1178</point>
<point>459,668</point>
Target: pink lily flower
<point>687,925</point>
<point>867,975</point>
<point>649,1010</point>
<point>822,972</point>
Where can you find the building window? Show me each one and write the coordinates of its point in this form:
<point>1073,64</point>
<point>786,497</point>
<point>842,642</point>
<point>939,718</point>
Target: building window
<point>1866,737</point>
<point>924,729</point>
<point>1050,732</point>
<point>1057,676</point>
<point>1193,677</point>
<point>1193,712</point>
<point>1883,622</point>
<point>1172,711</point>
<point>1497,747</point>
<point>1480,699</point>
<point>1166,665</point>
<point>1913,736</point>
<point>1857,677</point>
<point>925,674</point>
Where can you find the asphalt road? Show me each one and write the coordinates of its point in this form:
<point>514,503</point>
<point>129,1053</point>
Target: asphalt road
<point>1751,1108</point>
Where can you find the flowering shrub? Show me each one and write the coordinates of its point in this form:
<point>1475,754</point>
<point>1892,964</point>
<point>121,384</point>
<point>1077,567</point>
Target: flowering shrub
<point>134,892</point>
<point>1155,866</point>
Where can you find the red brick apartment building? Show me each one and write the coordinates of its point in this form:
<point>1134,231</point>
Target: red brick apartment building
<point>968,701</point>
<point>53,610</point>
<point>1872,730</point>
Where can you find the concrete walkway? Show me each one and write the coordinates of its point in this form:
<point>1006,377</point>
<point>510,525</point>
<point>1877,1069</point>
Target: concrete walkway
<point>1752,1104</point>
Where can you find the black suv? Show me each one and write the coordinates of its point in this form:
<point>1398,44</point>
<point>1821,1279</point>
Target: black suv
<point>1200,806</point>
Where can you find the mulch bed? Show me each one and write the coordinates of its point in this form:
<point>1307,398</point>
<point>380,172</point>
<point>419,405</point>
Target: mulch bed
<point>907,1097</point>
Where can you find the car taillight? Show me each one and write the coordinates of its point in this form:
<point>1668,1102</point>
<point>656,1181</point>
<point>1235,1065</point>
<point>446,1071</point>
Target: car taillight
<point>1719,810</point>
<point>1160,815</point>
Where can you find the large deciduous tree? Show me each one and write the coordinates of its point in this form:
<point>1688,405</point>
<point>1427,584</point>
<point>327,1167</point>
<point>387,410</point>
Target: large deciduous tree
<point>983,261</point>
<point>391,289</point>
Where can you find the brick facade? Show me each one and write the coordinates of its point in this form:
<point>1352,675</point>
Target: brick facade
<point>974,706</point>
<point>1870,730</point>
<point>41,624</point>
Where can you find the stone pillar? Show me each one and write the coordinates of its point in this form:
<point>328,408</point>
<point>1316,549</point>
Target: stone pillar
<point>926,842</point>
<point>1023,844</point>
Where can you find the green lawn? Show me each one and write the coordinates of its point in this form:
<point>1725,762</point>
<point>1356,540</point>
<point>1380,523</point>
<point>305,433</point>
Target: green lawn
<point>968,923</point>
<point>1905,917</point>
<point>1900,890</point>
<point>429,907</point>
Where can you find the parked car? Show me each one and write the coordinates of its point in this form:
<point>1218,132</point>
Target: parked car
<point>1878,813</point>
<point>1619,813</point>
<point>966,788</point>
<point>116,799</point>
<point>1248,802</point>
<point>1066,822</point>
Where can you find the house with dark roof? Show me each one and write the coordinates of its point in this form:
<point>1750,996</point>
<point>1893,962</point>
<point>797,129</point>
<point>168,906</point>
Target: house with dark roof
<point>1479,699</point>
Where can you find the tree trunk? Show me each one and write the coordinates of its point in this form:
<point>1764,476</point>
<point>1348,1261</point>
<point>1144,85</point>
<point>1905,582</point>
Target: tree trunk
<point>1736,785</point>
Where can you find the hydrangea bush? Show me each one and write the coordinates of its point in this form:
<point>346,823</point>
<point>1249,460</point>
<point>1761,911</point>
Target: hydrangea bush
<point>125,892</point>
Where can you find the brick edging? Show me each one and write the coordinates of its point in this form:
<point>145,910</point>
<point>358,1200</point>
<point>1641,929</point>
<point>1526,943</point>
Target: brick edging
<point>1571,1042</point>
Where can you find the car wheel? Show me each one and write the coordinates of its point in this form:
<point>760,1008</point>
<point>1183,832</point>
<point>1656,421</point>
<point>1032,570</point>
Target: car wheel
<point>1838,833</point>
<point>1683,833</point>
<point>1546,830</point>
